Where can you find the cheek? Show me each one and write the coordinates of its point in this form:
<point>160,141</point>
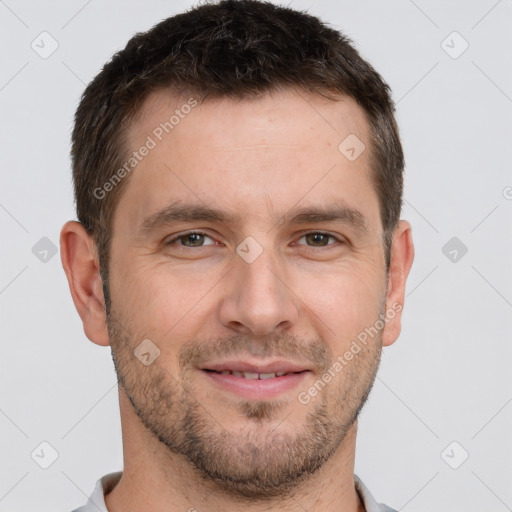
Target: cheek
<point>347,301</point>
<point>162,303</point>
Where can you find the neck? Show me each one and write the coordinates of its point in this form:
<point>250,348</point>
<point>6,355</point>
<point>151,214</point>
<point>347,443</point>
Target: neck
<point>156,479</point>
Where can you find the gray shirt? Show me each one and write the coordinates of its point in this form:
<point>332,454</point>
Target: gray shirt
<point>96,501</point>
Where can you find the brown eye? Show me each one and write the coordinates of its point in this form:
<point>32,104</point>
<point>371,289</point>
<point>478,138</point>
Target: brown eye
<point>192,239</point>
<point>317,239</point>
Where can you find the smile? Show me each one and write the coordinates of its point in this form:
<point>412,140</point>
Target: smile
<point>255,381</point>
<point>252,375</point>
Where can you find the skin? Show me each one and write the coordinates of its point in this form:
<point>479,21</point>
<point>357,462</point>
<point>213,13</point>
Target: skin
<point>299,300</point>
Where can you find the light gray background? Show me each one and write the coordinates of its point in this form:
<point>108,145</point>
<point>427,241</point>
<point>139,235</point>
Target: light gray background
<point>448,377</point>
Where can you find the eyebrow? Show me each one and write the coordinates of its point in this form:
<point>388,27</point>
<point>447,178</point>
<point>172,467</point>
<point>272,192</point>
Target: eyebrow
<point>328,213</point>
<point>178,211</point>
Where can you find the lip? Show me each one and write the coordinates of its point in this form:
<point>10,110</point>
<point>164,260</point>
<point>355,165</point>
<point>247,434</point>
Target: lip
<point>256,389</point>
<point>245,366</point>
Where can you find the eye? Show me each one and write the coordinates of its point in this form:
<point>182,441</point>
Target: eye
<point>318,239</point>
<point>191,239</point>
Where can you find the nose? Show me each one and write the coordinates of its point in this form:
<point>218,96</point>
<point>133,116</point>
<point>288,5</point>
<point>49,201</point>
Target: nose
<point>258,300</point>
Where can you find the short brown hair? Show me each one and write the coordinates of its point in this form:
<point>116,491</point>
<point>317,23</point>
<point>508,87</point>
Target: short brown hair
<point>231,48</point>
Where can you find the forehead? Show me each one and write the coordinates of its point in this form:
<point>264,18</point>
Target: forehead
<point>260,155</point>
<point>260,117</point>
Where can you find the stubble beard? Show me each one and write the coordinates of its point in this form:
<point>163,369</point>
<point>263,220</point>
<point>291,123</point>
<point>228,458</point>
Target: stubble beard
<point>259,461</point>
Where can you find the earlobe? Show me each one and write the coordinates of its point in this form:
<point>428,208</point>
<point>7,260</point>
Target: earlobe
<point>402,256</point>
<point>80,262</point>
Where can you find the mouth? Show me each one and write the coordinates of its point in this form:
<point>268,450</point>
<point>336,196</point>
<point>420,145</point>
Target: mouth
<point>255,381</point>
<point>252,375</point>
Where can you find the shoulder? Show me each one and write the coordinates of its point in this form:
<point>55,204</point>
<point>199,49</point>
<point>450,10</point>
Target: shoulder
<point>368,500</point>
<point>385,508</point>
<point>96,501</point>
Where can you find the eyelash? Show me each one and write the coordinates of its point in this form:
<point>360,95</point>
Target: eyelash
<point>182,235</point>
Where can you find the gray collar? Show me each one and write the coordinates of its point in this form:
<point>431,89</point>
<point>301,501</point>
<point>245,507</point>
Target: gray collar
<point>96,502</point>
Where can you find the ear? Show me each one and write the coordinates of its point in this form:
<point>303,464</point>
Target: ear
<point>402,256</point>
<point>79,258</point>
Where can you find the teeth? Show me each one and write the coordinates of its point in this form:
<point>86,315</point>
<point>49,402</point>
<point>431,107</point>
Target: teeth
<point>252,375</point>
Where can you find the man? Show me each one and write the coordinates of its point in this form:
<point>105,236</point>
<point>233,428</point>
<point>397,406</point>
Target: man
<point>238,181</point>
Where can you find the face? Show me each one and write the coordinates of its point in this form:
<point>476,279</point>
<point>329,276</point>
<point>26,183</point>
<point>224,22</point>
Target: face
<point>247,248</point>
